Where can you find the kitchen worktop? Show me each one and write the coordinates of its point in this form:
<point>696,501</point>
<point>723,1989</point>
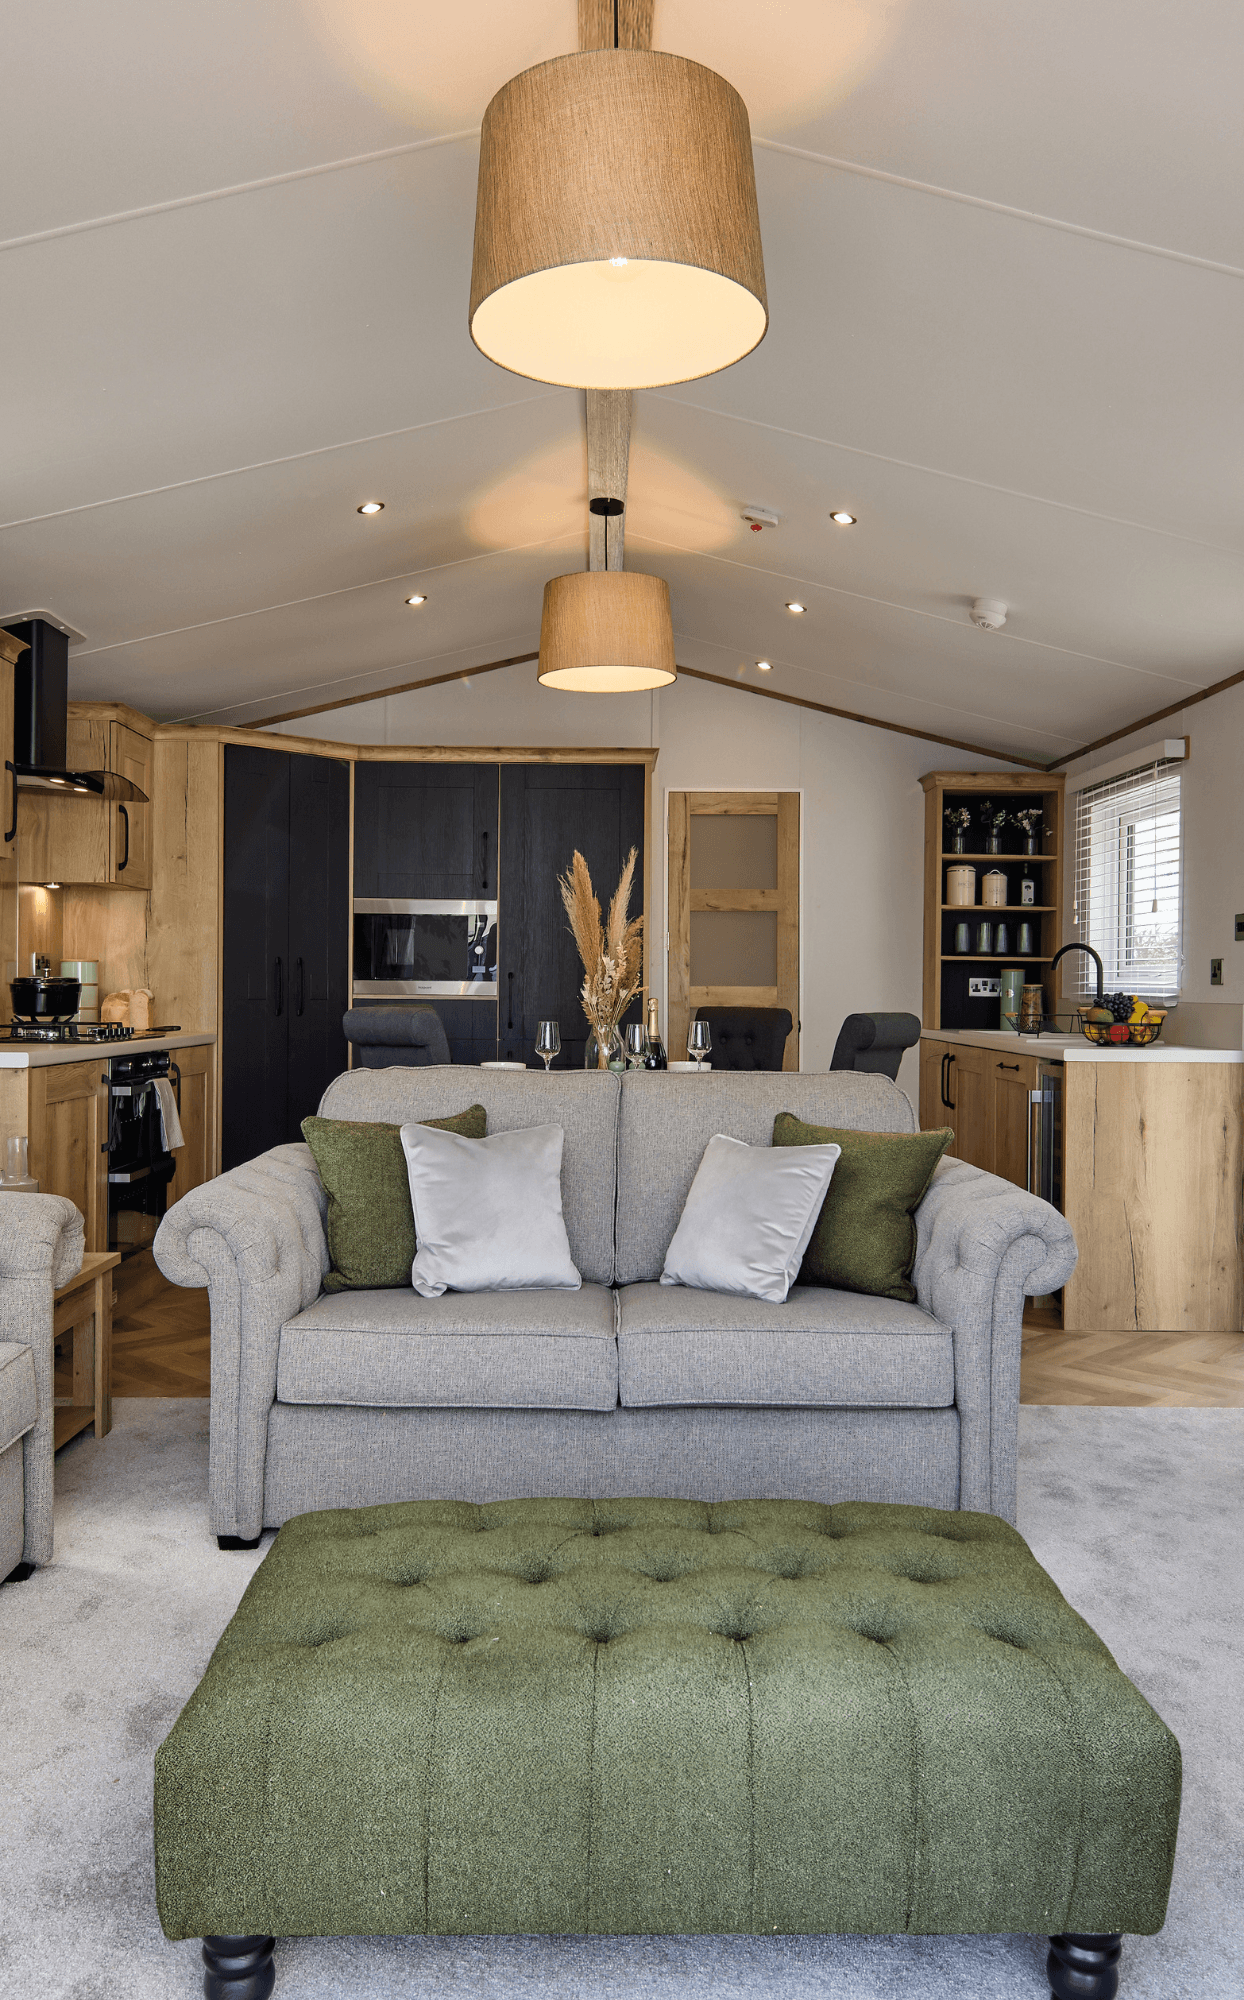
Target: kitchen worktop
<point>39,1055</point>
<point>1074,1048</point>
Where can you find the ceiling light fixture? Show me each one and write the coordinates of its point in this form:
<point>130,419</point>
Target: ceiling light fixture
<point>764,666</point>
<point>617,238</point>
<point>796,610</point>
<point>371,507</point>
<point>418,598</point>
<point>606,631</point>
<point>843,519</point>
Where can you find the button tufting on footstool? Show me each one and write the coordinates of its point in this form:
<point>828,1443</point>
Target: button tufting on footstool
<point>656,1716</point>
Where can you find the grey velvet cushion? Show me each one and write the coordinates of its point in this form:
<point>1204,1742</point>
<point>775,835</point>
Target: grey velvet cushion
<point>667,1121</point>
<point>746,1221</point>
<point>19,1404</point>
<point>488,1212</point>
<point>833,1349</point>
<point>466,1350</point>
<point>583,1102</point>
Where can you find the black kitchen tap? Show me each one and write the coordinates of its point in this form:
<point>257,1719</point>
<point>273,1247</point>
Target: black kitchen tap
<point>1096,958</point>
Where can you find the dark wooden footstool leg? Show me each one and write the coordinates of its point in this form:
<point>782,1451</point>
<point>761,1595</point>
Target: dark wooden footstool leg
<point>237,1542</point>
<point>1084,1967</point>
<point>238,1968</point>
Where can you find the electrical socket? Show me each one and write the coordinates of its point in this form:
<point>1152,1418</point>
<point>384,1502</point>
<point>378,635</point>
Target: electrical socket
<point>1215,972</point>
<point>1239,929</point>
<point>984,989</point>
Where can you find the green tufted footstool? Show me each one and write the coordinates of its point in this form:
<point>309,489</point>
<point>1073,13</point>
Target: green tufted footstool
<point>656,1716</point>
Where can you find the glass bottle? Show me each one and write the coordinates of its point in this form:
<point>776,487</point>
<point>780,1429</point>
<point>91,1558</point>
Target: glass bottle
<point>656,1057</point>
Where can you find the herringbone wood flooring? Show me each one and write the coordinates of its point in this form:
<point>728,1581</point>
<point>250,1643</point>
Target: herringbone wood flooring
<point>161,1335</point>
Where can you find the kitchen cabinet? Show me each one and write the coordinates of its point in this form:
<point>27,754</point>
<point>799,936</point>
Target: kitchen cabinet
<point>11,650</point>
<point>547,811</point>
<point>93,841</point>
<point>1013,1079</point>
<point>197,1110</point>
<point>286,942</point>
<point>956,1090</point>
<point>67,1115</point>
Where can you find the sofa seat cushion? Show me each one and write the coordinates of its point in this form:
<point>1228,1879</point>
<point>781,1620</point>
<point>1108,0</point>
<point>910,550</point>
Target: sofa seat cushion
<point>19,1404</point>
<point>533,1350</point>
<point>822,1347</point>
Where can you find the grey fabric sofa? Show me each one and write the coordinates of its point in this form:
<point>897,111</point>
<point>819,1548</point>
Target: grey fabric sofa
<point>626,1388</point>
<point>41,1239</point>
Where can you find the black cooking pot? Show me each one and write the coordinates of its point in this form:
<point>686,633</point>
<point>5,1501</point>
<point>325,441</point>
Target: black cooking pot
<point>45,999</point>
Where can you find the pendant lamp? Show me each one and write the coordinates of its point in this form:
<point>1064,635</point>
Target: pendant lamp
<point>617,238</point>
<point>606,631</point>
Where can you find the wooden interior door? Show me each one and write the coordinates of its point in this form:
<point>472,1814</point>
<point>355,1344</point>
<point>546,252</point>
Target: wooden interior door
<point>733,907</point>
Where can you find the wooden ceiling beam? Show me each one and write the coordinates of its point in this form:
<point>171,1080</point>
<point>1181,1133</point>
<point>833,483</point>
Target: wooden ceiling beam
<point>615,24</point>
<point>608,459</point>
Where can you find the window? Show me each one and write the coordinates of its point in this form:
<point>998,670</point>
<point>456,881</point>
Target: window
<point>1128,897</point>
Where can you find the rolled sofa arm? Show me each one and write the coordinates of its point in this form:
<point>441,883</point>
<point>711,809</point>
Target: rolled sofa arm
<point>255,1237</point>
<point>41,1237</point>
<point>983,1246</point>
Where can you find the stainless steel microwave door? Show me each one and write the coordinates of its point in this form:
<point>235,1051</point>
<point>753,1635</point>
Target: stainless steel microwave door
<point>439,948</point>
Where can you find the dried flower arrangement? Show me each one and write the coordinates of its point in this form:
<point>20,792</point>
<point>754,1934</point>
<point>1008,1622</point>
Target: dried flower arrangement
<point>992,816</point>
<point>958,818</point>
<point>613,960</point>
<point>1030,818</point>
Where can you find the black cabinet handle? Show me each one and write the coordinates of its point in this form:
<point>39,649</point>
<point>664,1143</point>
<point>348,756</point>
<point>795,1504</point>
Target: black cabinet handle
<point>175,1074</point>
<point>1013,1066</point>
<point>510,990</point>
<point>941,1081</point>
<point>124,863</point>
<point>483,863</point>
<point>280,988</point>
<point>950,1102</point>
<point>298,1004</point>
<point>12,832</point>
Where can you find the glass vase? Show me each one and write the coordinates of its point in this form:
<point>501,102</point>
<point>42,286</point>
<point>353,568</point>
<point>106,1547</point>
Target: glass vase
<point>1031,843</point>
<point>957,844</point>
<point>993,843</point>
<point>604,1051</point>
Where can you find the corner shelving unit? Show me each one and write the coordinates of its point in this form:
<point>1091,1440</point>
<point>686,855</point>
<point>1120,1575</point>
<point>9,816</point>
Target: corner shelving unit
<point>947,1003</point>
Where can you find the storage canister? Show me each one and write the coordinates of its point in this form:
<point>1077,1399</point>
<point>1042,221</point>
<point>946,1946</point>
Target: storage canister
<point>86,972</point>
<point>993,888</point>
<point>961,885</point>
<point>963,941</point>
<point>1031,1008</point>
<point>1012,984</point>
<point>984,939</point>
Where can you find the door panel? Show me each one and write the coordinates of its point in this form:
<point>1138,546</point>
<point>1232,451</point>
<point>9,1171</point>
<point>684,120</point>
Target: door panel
<point>1013,1079</point>
<point>69,1140</point>
<point>933,1112</point>
<point>196,1108</point>
<point>547,811</point>
<point>425,830</point>
<point>319,932</point>
<point>254,1039</point>
<point>969,1087</point>
<point>733,907</point>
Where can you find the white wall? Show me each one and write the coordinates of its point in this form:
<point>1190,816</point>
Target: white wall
<point>863,809</point>
<point>1213,861</point>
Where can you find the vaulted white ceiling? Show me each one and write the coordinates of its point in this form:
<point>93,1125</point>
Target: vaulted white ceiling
<point>1005,254</point>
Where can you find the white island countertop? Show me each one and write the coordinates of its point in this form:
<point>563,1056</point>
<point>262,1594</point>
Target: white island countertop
<point>1075,1048</point>
<point>37,1055</point>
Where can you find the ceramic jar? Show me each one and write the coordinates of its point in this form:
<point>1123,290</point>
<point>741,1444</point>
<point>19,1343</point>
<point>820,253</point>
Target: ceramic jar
<point>961,886</point>
<point>993,888</point>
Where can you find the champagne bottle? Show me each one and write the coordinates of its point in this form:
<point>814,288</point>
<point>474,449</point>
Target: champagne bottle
<point>655,1058</point>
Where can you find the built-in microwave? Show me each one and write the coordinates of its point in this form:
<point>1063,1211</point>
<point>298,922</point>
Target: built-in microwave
<point>409,948</point>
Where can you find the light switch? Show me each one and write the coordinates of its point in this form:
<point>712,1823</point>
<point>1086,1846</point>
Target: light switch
<point>1239,929</point>
<point>1215,972</point>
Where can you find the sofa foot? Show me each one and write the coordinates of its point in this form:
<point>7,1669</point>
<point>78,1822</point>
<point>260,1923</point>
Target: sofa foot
<point>238,1968</point>
<point>1084,1966</point>
<point>19,1573</point>
<point>237,1542</point>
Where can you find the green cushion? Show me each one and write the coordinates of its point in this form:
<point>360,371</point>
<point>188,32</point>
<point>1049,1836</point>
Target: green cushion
<point>865,1236</point>
<point>650,1716</point>
<point>370,1223</point>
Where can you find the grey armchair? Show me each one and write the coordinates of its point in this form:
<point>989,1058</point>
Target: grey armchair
<point>40,1248</point>
<point>404,1035</point>
<point>875,1043</point>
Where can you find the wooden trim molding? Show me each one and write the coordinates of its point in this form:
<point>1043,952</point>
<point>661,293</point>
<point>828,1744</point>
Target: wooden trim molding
<point>380,694</point>
<point>1158,715</point>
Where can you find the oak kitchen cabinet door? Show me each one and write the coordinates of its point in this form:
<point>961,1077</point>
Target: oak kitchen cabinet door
<point>933,1111</point>
<point>68,1128</point>
<point>1013,1079</point>
<point>197,1110</point>
<point>969,1107</point>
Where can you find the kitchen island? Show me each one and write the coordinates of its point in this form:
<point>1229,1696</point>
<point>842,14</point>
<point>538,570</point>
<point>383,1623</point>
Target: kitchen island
<point>55,1094</point>
<point>1148,1164</point>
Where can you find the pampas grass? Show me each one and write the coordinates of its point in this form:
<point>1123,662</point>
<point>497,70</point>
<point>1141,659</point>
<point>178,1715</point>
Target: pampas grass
<point>613,961</point>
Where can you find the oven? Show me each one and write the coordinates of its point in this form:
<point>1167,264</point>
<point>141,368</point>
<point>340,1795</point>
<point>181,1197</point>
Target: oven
<point>427,947</point>
<point>139,1165</point>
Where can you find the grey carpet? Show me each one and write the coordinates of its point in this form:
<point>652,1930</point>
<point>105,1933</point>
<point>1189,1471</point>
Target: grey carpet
<point>1136,1513</point>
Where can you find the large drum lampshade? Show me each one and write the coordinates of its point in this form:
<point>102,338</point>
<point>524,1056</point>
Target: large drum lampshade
<point>606,631</point>
<point>617,239</point>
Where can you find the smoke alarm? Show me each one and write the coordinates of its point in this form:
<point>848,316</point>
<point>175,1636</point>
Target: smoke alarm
<point>760,517</point>
<point>989,613</point>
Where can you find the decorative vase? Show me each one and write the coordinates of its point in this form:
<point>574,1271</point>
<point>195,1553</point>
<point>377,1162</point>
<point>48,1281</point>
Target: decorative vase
<point>606,1053</point>
<point>993,844</point>
<point>962,938</point>
<point>957,844</point>
<point>1031,843</point>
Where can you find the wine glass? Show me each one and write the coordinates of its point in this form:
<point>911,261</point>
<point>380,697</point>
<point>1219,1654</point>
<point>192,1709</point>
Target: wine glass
<point>548,1042</point>
<point>636,1044</point>
<point>699,1042</point>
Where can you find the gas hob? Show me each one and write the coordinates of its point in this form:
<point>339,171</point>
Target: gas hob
<point>86,1032</point>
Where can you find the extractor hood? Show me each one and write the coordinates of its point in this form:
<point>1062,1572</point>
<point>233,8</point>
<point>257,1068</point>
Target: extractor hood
<point>40,720</point>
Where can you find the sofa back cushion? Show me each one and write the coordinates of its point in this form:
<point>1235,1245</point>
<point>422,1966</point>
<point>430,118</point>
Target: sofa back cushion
<point>583,1102</point>
<point>666,1122</point>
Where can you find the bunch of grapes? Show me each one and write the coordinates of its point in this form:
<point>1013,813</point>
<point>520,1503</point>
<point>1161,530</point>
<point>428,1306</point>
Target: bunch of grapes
<point>1120,1005</point>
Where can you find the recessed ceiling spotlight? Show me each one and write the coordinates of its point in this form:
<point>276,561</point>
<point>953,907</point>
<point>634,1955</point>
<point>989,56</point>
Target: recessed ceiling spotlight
<point>843,519</point>
<point>797,610</point>
<point>418,598</point>
<point>764,666</point>
<point>372,507</point>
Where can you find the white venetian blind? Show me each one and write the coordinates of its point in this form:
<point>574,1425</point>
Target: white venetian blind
<point>1129,887</point>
